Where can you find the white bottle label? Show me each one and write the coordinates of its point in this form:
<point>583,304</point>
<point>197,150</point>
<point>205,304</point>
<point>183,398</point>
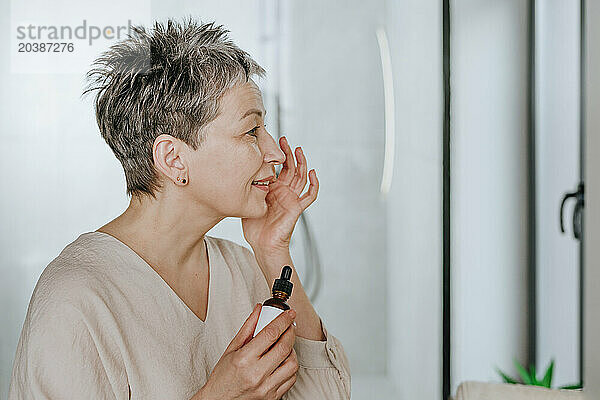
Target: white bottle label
<point>267,314</point>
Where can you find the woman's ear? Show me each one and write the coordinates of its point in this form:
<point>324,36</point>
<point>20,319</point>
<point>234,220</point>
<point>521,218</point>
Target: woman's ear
<point>168,156</point>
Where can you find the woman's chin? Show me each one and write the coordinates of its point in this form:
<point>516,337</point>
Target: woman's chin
<point>258,211</point>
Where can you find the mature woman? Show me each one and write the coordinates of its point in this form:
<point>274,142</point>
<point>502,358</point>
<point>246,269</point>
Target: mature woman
<point>150,307</point>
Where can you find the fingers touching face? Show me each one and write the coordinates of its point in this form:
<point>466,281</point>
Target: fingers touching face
<point>294,175</point>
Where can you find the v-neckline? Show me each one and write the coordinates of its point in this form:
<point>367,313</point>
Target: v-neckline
<point>211,277</point>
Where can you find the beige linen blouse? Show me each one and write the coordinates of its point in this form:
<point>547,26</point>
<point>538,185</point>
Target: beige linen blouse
<point>102,324</point>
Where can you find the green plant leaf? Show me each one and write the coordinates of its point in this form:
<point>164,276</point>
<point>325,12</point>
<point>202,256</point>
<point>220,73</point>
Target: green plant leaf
<point>572,387</point>
<point>547,381</point>
<point>534,380</point>
<point>506,378</point>
<point>523,372</point>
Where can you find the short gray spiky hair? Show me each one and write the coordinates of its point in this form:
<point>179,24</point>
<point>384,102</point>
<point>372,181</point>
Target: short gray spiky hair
<point>168,81</point>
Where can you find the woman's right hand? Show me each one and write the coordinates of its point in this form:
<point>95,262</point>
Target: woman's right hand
<point>263,367</point>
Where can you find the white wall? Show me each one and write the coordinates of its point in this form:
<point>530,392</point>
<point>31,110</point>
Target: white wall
<point>332,105</point>
<point>488,187</point>
<point>415,201</point>
<point>557,172</point>
<point>592,200</point>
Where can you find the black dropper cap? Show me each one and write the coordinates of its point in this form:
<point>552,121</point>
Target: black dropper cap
<point>283,283</point>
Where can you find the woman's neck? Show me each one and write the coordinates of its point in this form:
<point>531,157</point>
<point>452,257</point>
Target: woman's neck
<point>165,236</point>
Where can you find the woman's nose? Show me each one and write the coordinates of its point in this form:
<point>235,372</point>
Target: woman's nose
<point>273,153</point>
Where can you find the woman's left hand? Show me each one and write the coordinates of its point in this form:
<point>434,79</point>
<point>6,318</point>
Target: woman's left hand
<point>272,232</point>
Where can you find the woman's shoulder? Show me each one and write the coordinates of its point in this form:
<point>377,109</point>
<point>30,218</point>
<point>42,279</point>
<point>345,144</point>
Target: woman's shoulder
<point>85,265</point>
<point>239,258</point>
<point>230,249</point>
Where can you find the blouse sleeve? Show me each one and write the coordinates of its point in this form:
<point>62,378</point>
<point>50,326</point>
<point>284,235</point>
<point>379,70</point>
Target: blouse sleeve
<point>324,370</point>
<point>57,357</point>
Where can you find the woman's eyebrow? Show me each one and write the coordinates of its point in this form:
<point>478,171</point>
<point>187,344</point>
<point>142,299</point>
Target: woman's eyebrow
<point>253,111</point>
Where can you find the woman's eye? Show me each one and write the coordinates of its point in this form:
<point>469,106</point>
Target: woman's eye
<point>252,132</point>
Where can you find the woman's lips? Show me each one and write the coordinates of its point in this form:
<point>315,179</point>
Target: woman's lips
<point>263,184</point>
<point>264,188</point>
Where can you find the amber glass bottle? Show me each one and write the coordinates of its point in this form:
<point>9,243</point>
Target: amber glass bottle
<point>271,308</point>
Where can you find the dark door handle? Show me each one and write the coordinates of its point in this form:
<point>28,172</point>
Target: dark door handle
<point>577,212</point>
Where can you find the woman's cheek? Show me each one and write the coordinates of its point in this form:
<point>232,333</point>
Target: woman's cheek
<point>253,156</point>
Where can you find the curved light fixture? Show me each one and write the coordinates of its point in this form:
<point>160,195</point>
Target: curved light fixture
<point>388,94</point>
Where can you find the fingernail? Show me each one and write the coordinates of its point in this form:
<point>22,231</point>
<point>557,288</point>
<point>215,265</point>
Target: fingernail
<point>292,313</point>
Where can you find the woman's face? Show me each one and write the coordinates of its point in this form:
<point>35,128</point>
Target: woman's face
<point>237,150</point>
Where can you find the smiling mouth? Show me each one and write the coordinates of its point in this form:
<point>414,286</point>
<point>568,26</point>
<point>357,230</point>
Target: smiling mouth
<point>265,181</point>
<point>263,184</point>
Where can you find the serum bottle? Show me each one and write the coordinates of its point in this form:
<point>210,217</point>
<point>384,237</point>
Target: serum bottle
<point>271,308</point>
